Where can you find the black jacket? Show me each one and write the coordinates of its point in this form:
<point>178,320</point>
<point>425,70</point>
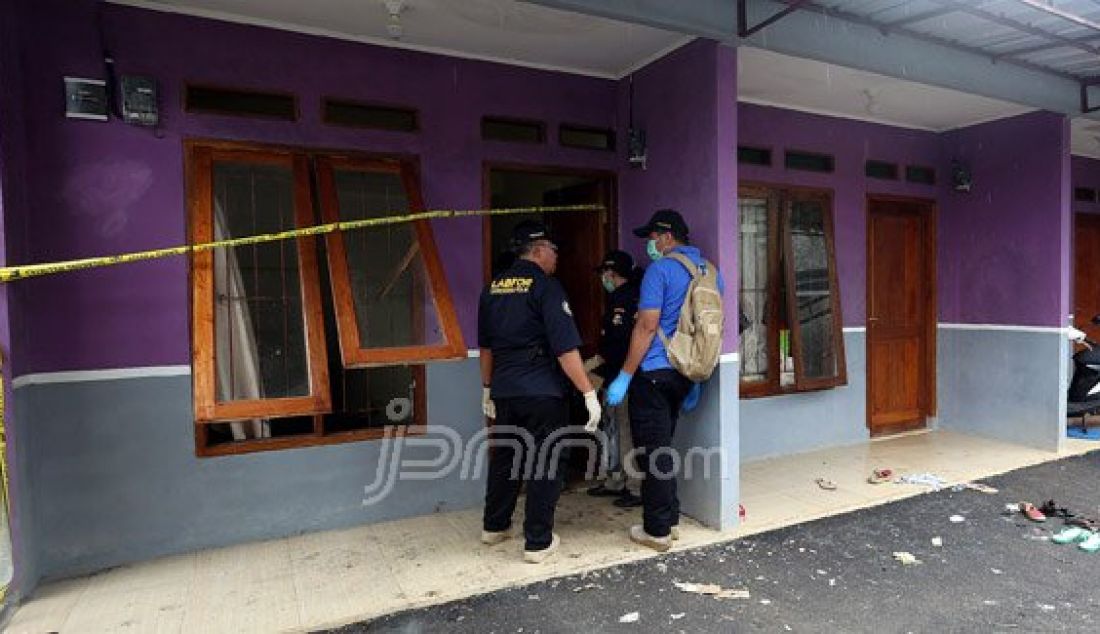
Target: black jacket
<point>615,329</point>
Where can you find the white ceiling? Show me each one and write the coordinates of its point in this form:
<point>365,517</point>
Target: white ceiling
<point>499,30</point>
<point>774,79</point>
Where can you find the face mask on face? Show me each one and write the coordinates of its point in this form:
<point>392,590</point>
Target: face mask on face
<point>608,284</point>
<point>651,250</point>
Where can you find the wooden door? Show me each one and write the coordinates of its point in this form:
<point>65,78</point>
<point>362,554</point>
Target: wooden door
<point>1086,273</point>
<point>900,315</point>
<point>581,235</point>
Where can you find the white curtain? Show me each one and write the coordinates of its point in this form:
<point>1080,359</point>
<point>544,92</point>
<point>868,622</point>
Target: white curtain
<point>239,374</point>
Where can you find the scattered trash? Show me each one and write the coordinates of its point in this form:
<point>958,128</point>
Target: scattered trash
<point>1012,508</point>
<point>676,617</point>
<point>937,542</point>
<point>906,559</point>
<point>712,589</point>
<point>880,476</point>
<point>532,597</point>
<point>924,479</point>
<point>832,582</point>
<point>988,602</point>
<point>981,488</point>
<point>957,519</point>
<point>765,602</point>
<point>587,586</point>
<point>996,571</point>
<point>1046,608</point>
<point>662,567</point>
<point>826,484</point>
<point>821,572</point>
<point>630,618</point>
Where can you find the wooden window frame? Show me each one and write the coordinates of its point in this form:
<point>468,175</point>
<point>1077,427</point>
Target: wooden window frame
<point>207,408</point>
<point>780,271</point>
<point>353,353</point>
<point>200,155</point>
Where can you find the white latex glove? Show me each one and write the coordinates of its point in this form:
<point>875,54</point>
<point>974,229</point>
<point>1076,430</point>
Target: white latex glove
<point>488,407</point>
<point>592,403</point>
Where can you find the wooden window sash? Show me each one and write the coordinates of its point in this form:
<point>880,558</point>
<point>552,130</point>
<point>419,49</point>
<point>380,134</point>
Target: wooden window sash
<point>803,384</point>
<point>770,384</point>
<point>208,409</point>
<point>353,354</point>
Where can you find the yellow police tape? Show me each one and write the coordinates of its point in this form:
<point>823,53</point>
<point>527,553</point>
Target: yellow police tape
<point>13,273</point>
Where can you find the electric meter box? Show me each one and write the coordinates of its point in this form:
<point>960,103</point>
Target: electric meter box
<point>139,100</point>
<point>85,98</point>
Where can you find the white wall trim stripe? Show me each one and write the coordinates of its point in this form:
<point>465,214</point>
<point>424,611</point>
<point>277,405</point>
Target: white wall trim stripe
<point>78,376</point>
<point>729,357</point>
<point>1050,329</point>
<point>856,329</point>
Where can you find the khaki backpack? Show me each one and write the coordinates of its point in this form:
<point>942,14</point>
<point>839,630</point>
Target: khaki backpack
<point>695,345</point>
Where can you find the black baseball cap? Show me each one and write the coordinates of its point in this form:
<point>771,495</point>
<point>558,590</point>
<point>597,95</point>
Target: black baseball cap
<point>664,221</point>
<point>617,261</point>
<point>529,231</point>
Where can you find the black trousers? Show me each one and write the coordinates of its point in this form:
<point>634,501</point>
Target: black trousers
<point>655,400</point>
<point>523,448</point>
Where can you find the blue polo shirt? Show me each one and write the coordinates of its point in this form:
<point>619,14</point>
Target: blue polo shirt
<point>664,288</point>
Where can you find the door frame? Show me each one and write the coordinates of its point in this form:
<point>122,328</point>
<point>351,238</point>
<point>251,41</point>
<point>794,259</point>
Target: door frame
<point>929,212</point>
<point>610,177</point>
<point>1079,218</point>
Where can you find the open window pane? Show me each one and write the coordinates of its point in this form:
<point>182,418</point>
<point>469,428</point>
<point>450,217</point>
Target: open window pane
<point>813,298</point>
<point>391,300</point>
<point>258,344</point>
<point>259,328</point>
<point>754,259</point>
<point>374,398</point>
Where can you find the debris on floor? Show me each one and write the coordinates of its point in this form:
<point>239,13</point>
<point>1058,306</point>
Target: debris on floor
<point>826,484</point>
<point>957,519</point>
<point>711,589</point>
<point>937,542</point>
<point>631,617</point>
<point>906,558</point>
<point>923,479</point>
<point>880,476</point>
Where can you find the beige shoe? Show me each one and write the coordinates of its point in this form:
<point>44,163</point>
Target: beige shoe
<point>660,544</point>
<point>491,538</point>
<point>675,533</point>
<point>539,556</point>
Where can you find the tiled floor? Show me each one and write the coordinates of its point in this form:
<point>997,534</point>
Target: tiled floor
<point>337,577</point>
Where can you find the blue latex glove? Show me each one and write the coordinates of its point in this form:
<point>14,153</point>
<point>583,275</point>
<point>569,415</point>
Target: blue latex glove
<point>616,392</point>
<point>691,401</point>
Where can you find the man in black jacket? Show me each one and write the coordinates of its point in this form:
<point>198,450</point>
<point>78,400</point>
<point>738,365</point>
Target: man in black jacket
<point>620,279</point>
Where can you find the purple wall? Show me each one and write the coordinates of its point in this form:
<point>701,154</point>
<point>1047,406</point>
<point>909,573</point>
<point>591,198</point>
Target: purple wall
<point>1085,173</point>
<point>1004,246</point>
<point>686,103</point>
<point>852,143</point>
<point>101,188</point>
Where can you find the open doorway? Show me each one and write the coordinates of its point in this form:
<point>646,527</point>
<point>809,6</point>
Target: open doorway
<point>582,236</point>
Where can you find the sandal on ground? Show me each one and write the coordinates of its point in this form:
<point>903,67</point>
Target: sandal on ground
<point>1032,513</point>
<point>828,485</point>
<point>879,476</point>
<point>1070,535</point>
<point>1050,509</point>
<point>1091,543</point>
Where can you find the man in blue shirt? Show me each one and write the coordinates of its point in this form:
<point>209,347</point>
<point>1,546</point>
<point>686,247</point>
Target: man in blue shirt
<point>657,391</point>
<point>528,343</point>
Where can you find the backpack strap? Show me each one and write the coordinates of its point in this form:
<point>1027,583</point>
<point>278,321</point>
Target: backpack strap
<point>692,267</point>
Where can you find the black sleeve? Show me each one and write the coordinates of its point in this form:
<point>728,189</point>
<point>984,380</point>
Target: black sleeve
<point>617,330</point>
<point>484,338</point>
<point>557,315</point>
